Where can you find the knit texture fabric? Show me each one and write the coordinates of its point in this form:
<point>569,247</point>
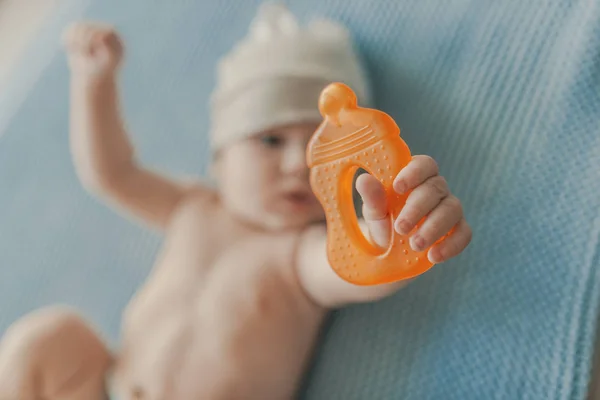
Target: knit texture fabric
<point>505,95</point>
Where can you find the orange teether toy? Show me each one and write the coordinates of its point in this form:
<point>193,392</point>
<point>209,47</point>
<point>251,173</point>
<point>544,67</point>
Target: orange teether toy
<point>351,137</point>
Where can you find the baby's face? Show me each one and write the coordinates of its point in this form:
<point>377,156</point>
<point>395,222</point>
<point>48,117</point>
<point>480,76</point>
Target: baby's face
<point>264,179</point>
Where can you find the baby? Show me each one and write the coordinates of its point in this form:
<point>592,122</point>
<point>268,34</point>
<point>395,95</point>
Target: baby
<point>242,285</point>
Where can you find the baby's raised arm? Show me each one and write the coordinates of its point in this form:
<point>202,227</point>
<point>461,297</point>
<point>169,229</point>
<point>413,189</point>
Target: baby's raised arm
<point>103,156</point>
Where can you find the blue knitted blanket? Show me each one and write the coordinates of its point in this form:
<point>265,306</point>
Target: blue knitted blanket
<point>504,94</point>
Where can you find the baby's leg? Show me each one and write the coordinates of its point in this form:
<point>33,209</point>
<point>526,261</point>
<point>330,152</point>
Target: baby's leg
<point>53,354</point>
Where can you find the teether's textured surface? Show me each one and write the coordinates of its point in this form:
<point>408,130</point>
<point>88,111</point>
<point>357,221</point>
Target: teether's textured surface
<point>351,137</point>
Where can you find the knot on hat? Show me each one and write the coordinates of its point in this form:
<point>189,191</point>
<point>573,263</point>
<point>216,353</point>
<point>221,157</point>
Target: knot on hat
<point>275,74</point>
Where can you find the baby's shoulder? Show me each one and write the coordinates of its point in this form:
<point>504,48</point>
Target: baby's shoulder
<point>198,203</point>
<point>201,197</point>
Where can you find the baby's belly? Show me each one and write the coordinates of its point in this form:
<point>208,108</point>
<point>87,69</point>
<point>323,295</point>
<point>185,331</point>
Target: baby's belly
<point>235,339</point>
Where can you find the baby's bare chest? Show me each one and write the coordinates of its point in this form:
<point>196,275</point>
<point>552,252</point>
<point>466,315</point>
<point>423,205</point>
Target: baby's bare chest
<point>241,325</point>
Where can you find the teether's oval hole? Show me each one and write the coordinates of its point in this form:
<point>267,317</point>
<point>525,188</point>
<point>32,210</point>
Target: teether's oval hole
<point>355,195</point>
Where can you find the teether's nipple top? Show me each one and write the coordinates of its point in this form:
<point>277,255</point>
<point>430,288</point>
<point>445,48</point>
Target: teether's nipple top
<point>351,137</point>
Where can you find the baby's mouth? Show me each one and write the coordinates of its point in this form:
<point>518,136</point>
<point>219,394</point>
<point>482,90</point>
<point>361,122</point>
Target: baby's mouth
<point>299,198</point>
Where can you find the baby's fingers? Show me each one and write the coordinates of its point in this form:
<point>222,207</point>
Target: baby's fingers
<point>437,224</point>
<point>420,169</point>
<point>453,245</point>
<point>420,203</point>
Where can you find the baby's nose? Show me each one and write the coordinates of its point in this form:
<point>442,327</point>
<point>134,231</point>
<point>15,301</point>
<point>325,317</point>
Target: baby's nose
<point>294,161</point>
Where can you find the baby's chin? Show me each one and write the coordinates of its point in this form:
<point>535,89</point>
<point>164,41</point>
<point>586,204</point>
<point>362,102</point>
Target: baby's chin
<point>293,222</point>
<point>277,222</point>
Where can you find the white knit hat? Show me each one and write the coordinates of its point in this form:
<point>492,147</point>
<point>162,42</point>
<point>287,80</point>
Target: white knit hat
<point>274,75</point>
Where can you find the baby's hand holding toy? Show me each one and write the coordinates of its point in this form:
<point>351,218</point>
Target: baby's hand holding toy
<point>412,217</point>
<point>429,197</point>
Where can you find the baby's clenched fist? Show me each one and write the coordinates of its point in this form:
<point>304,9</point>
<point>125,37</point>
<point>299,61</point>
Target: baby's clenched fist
<point>93,49</point>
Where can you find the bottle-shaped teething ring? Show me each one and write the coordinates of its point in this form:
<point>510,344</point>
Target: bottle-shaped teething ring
<point>349,138</point>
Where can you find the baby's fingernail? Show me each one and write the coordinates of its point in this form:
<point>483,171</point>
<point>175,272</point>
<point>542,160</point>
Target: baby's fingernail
<point>400,186</point>
<point>417,243</point>
<point>402,226</point>
<point>436,255</point>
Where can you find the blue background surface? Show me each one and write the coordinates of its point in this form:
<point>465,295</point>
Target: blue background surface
<point>504,94</point>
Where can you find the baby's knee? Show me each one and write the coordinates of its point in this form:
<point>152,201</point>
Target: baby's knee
<point>54,344</point>
<point>40,326</point>
<point>52,333</point>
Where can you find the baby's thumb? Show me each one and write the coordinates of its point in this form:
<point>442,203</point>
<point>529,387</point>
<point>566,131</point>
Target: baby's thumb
<point>373,196</point>
<point>375,212</point>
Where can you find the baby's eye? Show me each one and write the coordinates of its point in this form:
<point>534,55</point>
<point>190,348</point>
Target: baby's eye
<point>271,140</point>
